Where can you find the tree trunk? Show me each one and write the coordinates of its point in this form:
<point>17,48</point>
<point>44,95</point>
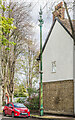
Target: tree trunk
<point>71,25</point>
<point>29,57</point>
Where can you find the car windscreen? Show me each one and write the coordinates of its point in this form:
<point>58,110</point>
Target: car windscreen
<point>19,105</point>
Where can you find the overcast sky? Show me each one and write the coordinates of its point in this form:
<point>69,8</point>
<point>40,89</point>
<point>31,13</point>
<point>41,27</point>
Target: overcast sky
<point>47,7</point>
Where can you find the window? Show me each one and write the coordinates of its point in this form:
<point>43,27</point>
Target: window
<point>10,105</point>
<point>54,67</point>
<point>19,105</point>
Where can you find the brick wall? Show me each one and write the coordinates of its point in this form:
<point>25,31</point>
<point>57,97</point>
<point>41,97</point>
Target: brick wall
<point>59,11</point>
<point>59,97</point>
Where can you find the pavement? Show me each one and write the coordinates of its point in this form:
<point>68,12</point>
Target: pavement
<point>0,117</point>
<point>52,117</point>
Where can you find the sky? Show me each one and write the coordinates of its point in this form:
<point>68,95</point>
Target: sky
<point>47,8</point>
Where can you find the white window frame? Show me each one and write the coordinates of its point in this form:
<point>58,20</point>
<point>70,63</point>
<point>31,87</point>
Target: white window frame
<point>54,67</point>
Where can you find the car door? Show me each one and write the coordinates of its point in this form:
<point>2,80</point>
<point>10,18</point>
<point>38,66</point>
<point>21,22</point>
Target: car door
<point>10,108</point>
<point>6,108</point>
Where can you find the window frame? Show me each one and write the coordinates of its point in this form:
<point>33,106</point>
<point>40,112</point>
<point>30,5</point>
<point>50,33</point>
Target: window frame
<point>54,67</point>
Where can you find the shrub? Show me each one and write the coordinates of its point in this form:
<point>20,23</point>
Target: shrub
<point>33,103</point>
<point>20,100</point>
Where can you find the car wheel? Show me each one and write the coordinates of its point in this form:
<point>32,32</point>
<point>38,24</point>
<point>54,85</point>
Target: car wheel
<point>4,113</point>
<point>13,114</point>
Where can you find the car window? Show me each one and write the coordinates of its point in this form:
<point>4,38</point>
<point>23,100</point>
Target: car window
<point>19,105</point>
<point>10,105</point>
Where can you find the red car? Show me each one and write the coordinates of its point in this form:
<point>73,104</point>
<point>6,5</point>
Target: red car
<point>16,109</point>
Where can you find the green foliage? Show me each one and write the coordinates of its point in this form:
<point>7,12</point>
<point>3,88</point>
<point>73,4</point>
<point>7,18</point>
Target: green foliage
<point>20,100</point>
<point>33,100</point>
<point>6,25</point>
<point>3,8</point>
<point>7,48</point>
<point>20,91</point>
<point>12,43</point>
<point>33,103</point>
<point>4,103</point>
<point>0,2</point>
<point>31,91</point>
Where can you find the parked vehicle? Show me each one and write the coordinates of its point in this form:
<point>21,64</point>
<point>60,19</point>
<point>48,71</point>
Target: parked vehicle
<point>16,109</point>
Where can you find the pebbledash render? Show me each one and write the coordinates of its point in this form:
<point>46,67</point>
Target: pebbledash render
<point>58,57</point>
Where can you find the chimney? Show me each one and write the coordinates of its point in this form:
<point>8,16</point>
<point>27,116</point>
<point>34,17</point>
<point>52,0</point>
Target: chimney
<point>59,11</point>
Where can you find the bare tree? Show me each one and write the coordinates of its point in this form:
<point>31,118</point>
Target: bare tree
<point>28,66</point>
<point>18,37</point>
<point>70,21</point>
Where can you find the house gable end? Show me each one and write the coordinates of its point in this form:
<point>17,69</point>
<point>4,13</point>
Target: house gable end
<point>58,55</point>
<point>56,19</point>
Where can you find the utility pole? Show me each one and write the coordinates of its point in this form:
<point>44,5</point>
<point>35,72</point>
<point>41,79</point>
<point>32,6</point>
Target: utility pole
<point>41,85</point>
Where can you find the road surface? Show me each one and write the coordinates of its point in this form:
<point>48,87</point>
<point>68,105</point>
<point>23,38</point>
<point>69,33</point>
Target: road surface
<point>10,118</point>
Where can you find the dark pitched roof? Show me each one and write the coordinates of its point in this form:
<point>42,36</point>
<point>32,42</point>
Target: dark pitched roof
<point>56,19</point>
<point>66,23</point>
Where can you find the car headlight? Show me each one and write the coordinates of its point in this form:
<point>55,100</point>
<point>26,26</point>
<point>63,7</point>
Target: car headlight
<point>28,110</point>
<point>17,110</point>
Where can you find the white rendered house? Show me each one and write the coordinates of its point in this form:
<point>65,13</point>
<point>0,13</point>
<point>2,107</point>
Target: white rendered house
<point>58,57</point>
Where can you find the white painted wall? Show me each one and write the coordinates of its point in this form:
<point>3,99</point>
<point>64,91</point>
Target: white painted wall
<point>74,62</point>
<point>59,48</point>
<point>74,75</point>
